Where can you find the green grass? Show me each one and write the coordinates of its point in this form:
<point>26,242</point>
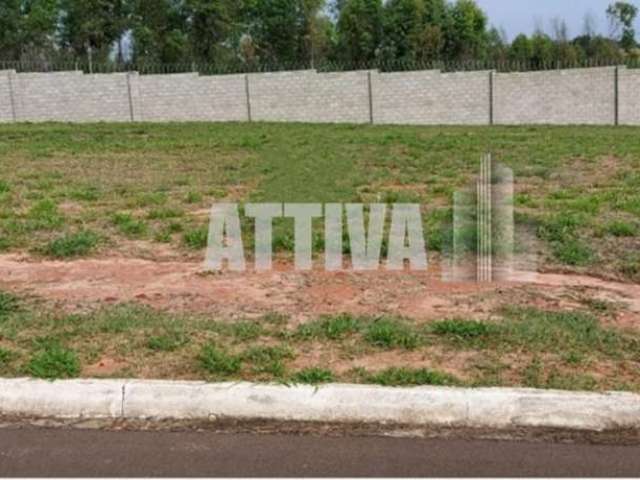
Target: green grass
<point>8,304</point>
<point>128,225</point>
<point>576,183</point>
<point>54,361</point>
<point>517,347</point>
<point>392,333</point>
<point>408,376</point>
<point>314,376</point>
<point>219,362</point>
<point>72,245</point>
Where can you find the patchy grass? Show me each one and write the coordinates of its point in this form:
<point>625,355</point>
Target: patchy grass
<point>579,185</point>
<point>72,245</point>
<point>518,347</point>
<point>314,376</point>
<point>54,361</point>
<point>401,376</point>
<point>218,362</point>
<point>392,333</point>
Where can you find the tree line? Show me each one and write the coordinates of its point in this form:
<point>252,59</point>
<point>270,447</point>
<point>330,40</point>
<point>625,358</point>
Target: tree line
<point>293,32</point>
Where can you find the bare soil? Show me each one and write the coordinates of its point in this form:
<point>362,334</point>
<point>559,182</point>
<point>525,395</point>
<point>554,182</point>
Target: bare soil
<point>184,286</point>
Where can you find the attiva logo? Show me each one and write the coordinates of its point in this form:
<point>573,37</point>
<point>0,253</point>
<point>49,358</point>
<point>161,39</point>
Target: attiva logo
<point>398,227</point>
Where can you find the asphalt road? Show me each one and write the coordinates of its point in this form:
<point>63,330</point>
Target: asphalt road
<point>72,452</point>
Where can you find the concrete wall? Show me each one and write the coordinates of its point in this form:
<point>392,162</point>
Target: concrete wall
<point>6,105</point>
<point>578,96</point>
<point>629,96</point>
<point>431,98</point>
<point>190,97</point>
<point>307,96</point>
<point>71,97</point>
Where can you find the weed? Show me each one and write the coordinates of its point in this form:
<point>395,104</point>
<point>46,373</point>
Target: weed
<point>331,328</point>
<point>267,359</point>
<point>54,361</point>
<point>72,244</point>
<point>8,304</point>
<point>218,362</point>
<point>168,342</point>
<point>313,375</point>
<point>243,331</point>
<point>391,333</point>
<point>462,329</point>
<point>407,376</point>
<point>128,225</point>
<point>196,238</point>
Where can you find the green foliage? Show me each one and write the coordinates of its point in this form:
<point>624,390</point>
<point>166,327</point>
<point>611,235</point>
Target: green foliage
<point>331,328</point>
<point>72,244</point>
<point>218,362</point>
<point>313,376</point>
<point>196,238</point>
<point>8,304</point>
<point>54,361</point>
<point>407,376</point>
<point>168,342</point>
<point>391,333</point>
<point>129,225</point>
<point>267,359</point>
<point>465,329</point>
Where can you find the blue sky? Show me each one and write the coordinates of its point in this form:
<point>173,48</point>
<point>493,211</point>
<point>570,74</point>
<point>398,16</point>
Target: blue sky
<point>521,15</point>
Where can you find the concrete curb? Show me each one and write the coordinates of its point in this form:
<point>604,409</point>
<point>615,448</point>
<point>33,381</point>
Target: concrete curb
<point>418,406</point>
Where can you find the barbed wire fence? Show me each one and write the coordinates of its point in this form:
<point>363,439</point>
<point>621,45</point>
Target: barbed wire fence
<point>324,66</point>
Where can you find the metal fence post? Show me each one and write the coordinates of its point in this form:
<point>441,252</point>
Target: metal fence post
<point>616,96</point>
<point>370,97</point>
<point>248,94</point>
<point>491,87</point>
<point>12,98</point>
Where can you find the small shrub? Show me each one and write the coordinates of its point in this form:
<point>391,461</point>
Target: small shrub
<point>407,376</point>
<point>72,244</point>
<point>54,361</point>
<point>218,362</point>
<point>313,376</point>
<point>391,333</point>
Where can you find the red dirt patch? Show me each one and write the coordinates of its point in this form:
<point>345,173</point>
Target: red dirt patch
<point>183,286</point>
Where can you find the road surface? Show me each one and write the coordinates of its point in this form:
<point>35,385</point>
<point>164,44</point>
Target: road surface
<point>74,452</point>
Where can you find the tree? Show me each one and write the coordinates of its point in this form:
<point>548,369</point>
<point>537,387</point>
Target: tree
<point>467,32</point>
<point>542,49</point>
<point>497,45</point>
<point>90,28</point>
<point>621,17</point>
<point>159,31</point>
<point>359,31</point>
<point>413,30</point>
<point>210,27</point>
<point>521,49</point>
<point>293,32</point>
<point>27,28</point>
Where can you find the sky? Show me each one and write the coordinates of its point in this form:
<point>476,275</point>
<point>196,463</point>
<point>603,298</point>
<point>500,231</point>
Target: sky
<point>517,16</point>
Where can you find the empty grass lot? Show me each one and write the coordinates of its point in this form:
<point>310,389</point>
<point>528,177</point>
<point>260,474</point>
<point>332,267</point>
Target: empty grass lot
<point>72,192</point>
<point>77,190</point>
